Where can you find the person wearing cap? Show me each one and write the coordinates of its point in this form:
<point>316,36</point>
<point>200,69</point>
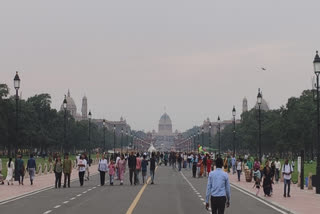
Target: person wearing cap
<point>218,189</point>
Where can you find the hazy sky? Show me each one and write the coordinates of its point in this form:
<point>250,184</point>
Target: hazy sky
<point>133,58</point>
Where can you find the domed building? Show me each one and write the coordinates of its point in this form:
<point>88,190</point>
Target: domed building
<point>71,105</point>
<point>264,105</point>
<point>165,125</point>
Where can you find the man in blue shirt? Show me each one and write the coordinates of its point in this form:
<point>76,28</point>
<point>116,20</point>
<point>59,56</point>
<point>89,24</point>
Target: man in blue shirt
<point>218,188</point>
<point>31,167</point>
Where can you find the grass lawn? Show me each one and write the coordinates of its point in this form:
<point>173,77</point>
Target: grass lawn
<point>307,169</point>
<point>25,159</point>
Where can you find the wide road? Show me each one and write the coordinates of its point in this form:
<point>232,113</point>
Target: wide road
<point>173,192</point>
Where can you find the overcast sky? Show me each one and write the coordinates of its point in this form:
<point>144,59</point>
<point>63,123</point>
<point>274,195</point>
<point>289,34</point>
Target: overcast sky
<point>134,58</point>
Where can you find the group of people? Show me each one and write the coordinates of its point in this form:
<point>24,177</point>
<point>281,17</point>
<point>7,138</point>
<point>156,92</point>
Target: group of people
<point>16,170</point>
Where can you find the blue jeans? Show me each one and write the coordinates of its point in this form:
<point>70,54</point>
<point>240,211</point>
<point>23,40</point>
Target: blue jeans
<point>287,182</point>
<point>111,179</point>
<point>152,175</point>
<point>239,173</point>
<point>179,165</point>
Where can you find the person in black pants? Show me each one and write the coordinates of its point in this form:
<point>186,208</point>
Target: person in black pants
<point>58,172</point>
<point>82,169</point>
<point>132,167</point>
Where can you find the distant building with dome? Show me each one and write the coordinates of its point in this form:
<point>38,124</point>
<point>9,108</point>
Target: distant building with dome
<point>72,108</point>
<point>165,125</point>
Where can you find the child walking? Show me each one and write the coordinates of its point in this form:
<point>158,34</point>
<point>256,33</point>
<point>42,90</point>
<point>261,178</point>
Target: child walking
<point>257,179</point>
<point>112,169</point>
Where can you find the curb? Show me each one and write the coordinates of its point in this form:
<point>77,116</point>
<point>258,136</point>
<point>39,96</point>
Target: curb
<point>263,199</point>
<point>36,191</point>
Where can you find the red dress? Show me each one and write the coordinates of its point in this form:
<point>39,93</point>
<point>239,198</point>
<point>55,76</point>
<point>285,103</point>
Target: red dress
<point>209,162</point>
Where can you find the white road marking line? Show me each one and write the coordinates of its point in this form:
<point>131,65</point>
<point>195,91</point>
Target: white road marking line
<point>66,202</point>
<point>56,207</point>
<point>89,189</point>
<point>84,192</point>
<point>199,196</point>
<point>46,212</point>
<point>201,199</point>
<point>197,193</point>
<point>79,195</point>
<point>204,203</point>
<point>258,199</point>
<point>94,187</point>
<point>71,199</point>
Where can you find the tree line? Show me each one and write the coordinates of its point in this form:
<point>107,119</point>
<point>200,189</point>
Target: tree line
<point>41,128</point>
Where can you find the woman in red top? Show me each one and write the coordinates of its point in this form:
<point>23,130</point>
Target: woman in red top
<point>209,163</point>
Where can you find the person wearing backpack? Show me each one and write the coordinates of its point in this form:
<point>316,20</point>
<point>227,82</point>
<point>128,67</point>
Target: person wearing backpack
<point>287,171</point>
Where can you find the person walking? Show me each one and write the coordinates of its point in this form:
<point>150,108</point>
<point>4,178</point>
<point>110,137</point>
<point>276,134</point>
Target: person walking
<point>57,168</point>
<point>19,169</point>
<point>82,163</point>
<point>138,169</point>
<point>67,169</point>
<point>209,164</point>
<point>152,168</point>
<point>132,162</point>
<point>194,165</point>
<point>267,180</point>
<point>144,165</point>
<point>234,164</point>
<point>204,163</point>
<point>179,162</point>
<point>121,166</point>
<point>278,167</point>
<point>31,168</point>
<point>287,170</point>
<point>112,171</point>
<point>10,170</point>
<point>218,189</point>
<point>103,168</point>
<point>239,168</point>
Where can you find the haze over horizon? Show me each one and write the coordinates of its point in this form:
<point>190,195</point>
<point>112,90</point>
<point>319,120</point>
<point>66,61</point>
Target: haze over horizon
<point>135,58</point>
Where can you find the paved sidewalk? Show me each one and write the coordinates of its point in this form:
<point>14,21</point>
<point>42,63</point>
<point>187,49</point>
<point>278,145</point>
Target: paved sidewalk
<point>301,201</point>
<point>40,182</point>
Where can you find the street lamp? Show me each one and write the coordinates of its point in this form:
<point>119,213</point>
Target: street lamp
<point>234,130</point>
<point>259,101</point>
<point>127,140</point>
<point>114,142</point>
<point>89,138</point>
<point>16,83</point>
<point>219,135</point>
<point>194,143</point>
<point>198,140</point>
<point>65,123</point>
<point>104,135</point>
<point>316,65</point>
<point>202,136</point>
<point>209,136</point>
<point>121,140</point>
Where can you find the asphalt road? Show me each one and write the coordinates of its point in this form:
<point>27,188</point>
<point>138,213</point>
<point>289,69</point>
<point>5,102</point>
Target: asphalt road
<point>173,192</point>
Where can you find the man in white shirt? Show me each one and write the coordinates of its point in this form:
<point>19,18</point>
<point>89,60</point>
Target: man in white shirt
<point>82,163</point>
<point>287,171</point>
<point>278,167</point>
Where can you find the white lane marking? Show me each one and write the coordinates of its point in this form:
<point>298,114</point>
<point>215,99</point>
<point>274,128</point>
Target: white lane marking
<point>46,212</point>
<point>66,202</point>
<point>79,195</point>
<point>89,189</point>
<point>201,199</point>
<point>94,187</point>
<point>84,192</point>
<point>197,193</point>
<point>56,207</point>
<point>258,199</point>
<point>199,196</point>
<point>71,199</point>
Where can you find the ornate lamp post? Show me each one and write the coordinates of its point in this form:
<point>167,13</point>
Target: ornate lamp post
<point>234,130</point>
<point>65,124</point>
<point>16,83</point>
<point>89,137</point>
<point>121,140</point>
<point>127,140</point>
<point>259,101</point>
<point>198,140</point>
<point>219,137</point>
<point>194,143</point>
<point>316,65</point>
<point>104,135</point>
<point>114,142</point>
<point>202,136</point>
<point>210,136</point>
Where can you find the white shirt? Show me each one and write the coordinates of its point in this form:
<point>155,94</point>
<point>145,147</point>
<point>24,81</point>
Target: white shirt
<point>103,165</point>
<point>82,162</point>
<point>118,158</point>
<point>278,165</point>
<point>287,169</point>
<point>239,165</point>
